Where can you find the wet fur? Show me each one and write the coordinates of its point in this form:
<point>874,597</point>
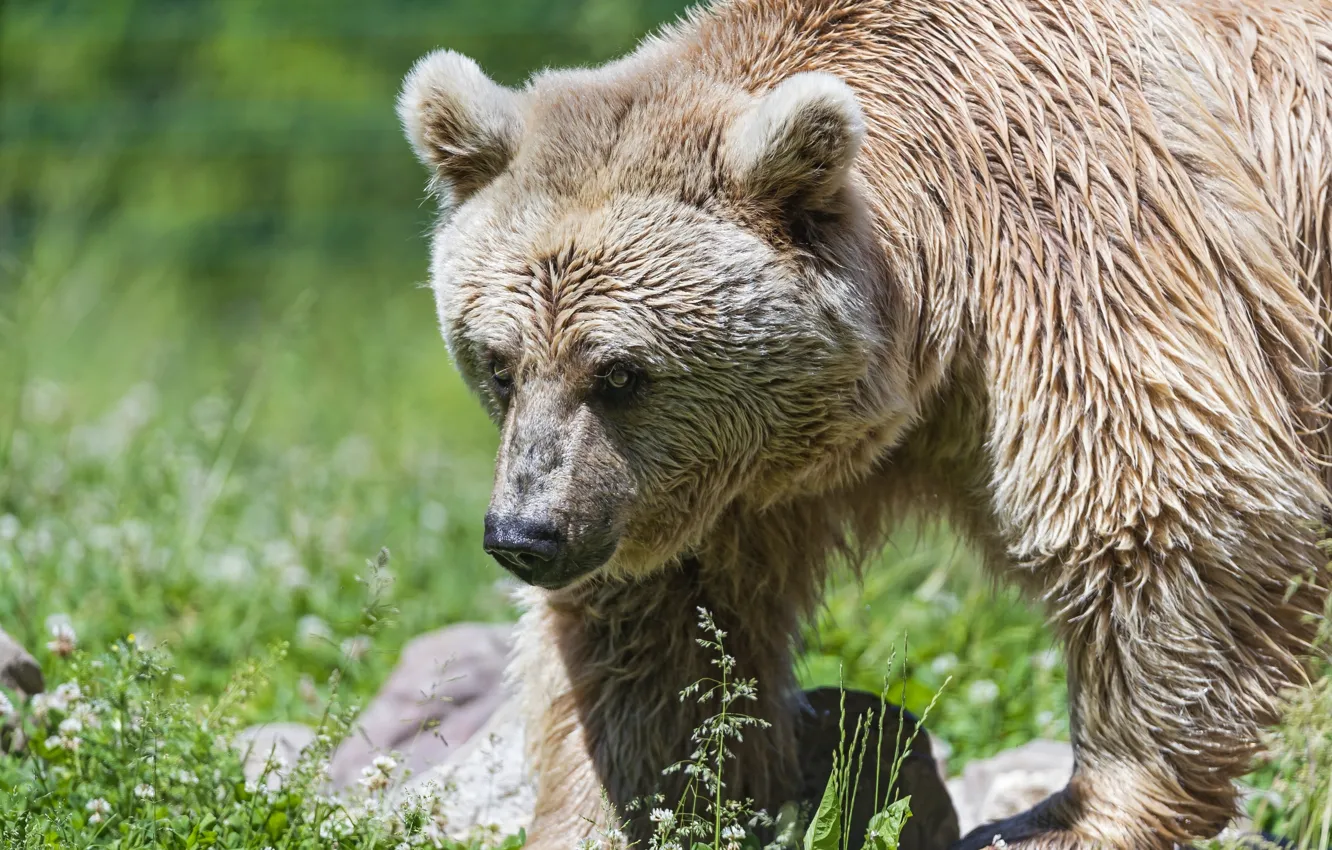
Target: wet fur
<point>1072,292</point>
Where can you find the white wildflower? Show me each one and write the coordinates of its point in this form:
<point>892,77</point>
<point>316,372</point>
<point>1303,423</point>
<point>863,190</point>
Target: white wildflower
<point>373,780</point>
<point>230,567</point>
<point>982,692</point>
<point>1046,661</point>
<point>70,726</point>
<point>63,640</point>
<point>311,630</point>
<point>944,664</point>
<point>63,742</point>
<point>144,791</point>
<point>99,809</point>
<point>385,764</point>
<point>663,817</point>
<point>6,707</point>
<point>68,694</point>
<point>355,648</point>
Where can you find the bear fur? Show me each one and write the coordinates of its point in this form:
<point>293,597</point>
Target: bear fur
<point>1056,269</point>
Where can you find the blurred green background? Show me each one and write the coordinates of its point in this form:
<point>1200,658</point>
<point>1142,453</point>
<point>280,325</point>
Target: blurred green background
<point>222,389</point>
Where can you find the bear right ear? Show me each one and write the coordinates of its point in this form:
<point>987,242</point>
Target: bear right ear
<point>797,144</point>
<point>463,125</point>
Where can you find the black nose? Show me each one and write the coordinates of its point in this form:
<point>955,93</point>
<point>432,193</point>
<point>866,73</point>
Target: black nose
<point>522,546</point>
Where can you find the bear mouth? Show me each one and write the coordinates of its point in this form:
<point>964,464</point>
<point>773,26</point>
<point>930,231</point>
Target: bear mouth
<point>560,574</point>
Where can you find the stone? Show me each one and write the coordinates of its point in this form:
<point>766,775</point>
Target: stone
<point>447,685</point>
<point>1010,783</point>
<point>487,788</point>
<point>281,743</point>
<point>18,669</point>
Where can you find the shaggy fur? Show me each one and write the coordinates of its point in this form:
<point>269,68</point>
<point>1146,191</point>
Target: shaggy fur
<point>1057,268</point>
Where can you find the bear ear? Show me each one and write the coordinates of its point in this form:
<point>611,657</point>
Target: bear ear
<point>463,125</point>
<point>797,144</point>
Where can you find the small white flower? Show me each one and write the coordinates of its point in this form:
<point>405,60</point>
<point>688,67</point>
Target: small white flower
<point>69,693</point>
<point>63,742</point>
<point>6,707</point>
<point>144,791</point>
<point>1046,661</point>
<point>373,780</point>
<point>311,630</point>
<point>70,726</point>
<point>355,648</point>
<point>87,714</point>
<point>665,817</point>
<point>99,806</point>
<point>184,777</point>
<point>982,692</point>
<point>734,832</point>
<point>587,844</point>
<point>384,764</point>
<point>944,664</point>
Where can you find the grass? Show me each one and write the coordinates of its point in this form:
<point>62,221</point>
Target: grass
<point>212,484</point>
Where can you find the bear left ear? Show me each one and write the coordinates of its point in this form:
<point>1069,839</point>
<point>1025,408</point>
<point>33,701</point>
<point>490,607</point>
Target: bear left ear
<point>798,142</point>
<point>463,125</point>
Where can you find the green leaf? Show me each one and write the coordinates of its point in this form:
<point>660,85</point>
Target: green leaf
<point>277,823</point>
<point>825,830</point>
<point>885,828</point>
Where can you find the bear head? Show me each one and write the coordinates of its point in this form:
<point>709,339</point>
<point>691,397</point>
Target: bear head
<point>662,289</point>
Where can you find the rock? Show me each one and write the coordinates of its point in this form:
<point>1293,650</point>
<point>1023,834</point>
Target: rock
<point>446,686</point>
<point>281,743</point>
<point>1010,783</point>
<point>933,824</point>
<point>18,669</point>
<point>488,787</point>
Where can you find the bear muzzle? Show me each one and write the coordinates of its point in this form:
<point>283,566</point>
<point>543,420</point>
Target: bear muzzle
<point>536,552</point>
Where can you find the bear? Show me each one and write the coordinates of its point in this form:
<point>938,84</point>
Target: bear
<point>794,269</point>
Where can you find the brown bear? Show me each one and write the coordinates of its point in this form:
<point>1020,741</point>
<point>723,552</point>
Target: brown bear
<point>1056,268</point>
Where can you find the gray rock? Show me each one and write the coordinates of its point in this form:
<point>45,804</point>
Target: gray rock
<point>487,787</point>
<point>446,686</point>
<point>18,669</point>
<point>1010,783</point>
<point>280,743</point>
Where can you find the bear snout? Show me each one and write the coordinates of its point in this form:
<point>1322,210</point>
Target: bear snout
<point>536,551</point>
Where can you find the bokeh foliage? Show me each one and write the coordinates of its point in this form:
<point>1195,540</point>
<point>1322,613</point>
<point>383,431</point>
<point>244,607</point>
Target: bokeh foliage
<point>239,146</point>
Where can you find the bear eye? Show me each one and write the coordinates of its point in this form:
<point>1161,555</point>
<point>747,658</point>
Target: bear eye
<point>501,377</point>
<point>618,381</point>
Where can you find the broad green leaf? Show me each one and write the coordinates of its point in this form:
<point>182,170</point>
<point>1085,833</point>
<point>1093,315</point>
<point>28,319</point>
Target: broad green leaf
<point>825,830</point>
<point>885,828</point>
